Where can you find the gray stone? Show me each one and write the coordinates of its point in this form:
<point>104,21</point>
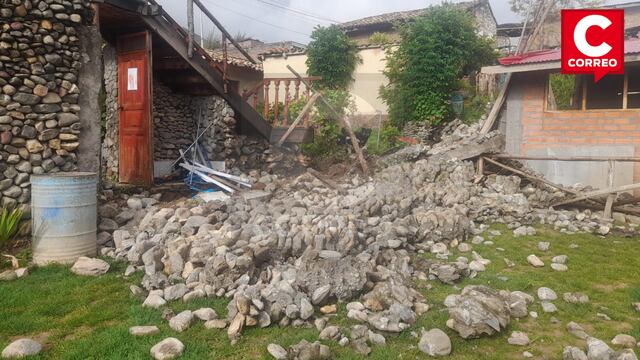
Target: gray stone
<point>154,301</point>
<point>205,314</point>
<point>21,348</point>
<point>518,338</point>
<point>90,267</point>
<point>625,341</point>
<point>277,351</point>
<point>435,343</point>
<point>167,349</point>
<point>478,311</point>
<point>535,261</point>
<point>175,292</point>
<point>182,321</point>
<point>573,353</point>
<point>546,294</point>
<point>143,330</point>
<point>598,350</point>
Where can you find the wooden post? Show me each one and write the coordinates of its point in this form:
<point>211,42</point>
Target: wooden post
<point>345,122</point>
<point>608,208</point>
<point>287,84</point>
<point>265,113</point>
<point>190,27</point>
<point>224,31</point>
<point>480,167</point>
<point>276,103</point>
<point>308,106</point>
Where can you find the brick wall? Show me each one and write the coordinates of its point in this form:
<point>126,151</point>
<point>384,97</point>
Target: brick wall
<point>572,129</point>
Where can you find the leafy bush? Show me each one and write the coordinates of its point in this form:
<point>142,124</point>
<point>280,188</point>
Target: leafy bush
<point>9,225</point>
<point>383,140</point>
<point>434,53</point>
<point>378,38</point>
<point>328,132</point>
<point>333,56</point>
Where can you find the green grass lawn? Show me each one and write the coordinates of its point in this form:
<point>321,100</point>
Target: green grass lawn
<point>88,318</point>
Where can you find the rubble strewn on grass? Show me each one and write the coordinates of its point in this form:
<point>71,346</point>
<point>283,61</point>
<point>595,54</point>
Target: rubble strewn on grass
<point>307,246</point>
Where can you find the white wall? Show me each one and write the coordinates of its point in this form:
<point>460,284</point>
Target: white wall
<point>368,77</point>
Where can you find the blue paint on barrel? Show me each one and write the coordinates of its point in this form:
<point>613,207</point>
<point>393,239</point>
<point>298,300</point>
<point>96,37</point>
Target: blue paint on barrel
<point>64,216</point>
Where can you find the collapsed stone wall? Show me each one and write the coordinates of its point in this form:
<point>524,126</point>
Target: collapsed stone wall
<point>40,61</point>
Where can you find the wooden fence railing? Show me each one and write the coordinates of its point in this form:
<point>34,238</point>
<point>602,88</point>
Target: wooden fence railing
<point>274,92</point>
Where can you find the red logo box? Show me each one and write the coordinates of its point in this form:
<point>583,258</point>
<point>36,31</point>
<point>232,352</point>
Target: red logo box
<point>593,42</point>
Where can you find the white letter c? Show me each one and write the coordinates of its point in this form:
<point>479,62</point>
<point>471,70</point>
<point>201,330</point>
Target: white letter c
<point>580,36</point>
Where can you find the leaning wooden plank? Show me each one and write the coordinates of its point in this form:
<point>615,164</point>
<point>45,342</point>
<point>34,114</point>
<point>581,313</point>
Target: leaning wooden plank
<point>209,179</point>
<point>531,177</point>
<point>345,122</point>
<point>325,181</point>
<point>597,193</point>
<point>301,116</point>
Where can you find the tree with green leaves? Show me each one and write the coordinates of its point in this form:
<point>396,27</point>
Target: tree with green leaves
<point>332,55</point>
<point>435,52</point>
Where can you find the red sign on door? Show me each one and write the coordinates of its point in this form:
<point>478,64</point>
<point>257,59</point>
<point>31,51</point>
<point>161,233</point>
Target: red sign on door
<point>593,42</point>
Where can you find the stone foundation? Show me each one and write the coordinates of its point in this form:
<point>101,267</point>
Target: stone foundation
<point>40,61</point>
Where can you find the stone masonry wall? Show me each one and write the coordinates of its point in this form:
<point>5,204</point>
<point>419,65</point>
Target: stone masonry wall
<point>174,122</point>
<point>40,60</point>
<point>110,142</point>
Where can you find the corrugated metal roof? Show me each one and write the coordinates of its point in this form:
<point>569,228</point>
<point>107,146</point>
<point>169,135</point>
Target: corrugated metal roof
<point>631,46</point>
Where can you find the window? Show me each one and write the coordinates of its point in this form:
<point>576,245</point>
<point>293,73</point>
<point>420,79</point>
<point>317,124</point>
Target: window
<point>565,92</point>
<point>613,92</point>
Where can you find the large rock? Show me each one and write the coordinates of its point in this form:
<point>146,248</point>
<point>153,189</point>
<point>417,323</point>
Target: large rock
<point>598,349</point>
<point>90,267</point>
<point>21,348</point>
<point>277,351</point>
<point>167,349</point>
<point>435,343</point>
<point>477,311</point>
<point>182,321</point>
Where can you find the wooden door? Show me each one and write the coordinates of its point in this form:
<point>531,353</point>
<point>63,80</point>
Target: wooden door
<point>134,103</point>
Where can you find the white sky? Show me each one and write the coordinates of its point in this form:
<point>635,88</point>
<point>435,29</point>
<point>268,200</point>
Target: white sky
<point>269,22</point>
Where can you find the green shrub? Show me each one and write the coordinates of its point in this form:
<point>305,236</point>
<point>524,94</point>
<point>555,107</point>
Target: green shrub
<point>332,55</point>
<point>434,53</point>
<point>9,225</point>
<point>384,140</point>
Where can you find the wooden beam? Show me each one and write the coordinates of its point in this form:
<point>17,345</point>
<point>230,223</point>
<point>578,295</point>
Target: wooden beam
<point>307,107</point>
<point>325,181</point>
<point>190,27</point>
<point>346,123</point>
<point>597,193</point>
<point>223,30</point>
<point>568,158</point>
<point>530,177</point>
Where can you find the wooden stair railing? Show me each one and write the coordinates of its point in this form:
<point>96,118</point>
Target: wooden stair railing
<point>292,92</point>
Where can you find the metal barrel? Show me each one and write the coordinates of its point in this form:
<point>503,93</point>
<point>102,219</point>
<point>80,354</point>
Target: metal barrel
<point>64,217</point>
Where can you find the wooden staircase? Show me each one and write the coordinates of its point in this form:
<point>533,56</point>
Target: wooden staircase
<point>172,33</point>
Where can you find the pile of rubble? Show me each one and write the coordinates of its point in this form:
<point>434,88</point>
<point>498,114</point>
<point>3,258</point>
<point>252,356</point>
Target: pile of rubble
<point>287,259</point>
